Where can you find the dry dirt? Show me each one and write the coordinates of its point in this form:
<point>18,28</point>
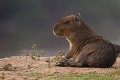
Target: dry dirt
<point>24,65</point>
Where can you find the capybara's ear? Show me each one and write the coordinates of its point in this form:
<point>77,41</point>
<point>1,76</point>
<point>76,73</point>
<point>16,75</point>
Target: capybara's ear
<point>77,17</point>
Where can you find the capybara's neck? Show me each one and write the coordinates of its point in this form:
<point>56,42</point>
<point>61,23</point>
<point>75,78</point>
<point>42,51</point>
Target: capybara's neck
<point>81,35</point>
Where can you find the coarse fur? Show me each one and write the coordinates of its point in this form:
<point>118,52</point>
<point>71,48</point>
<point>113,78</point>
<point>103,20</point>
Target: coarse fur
<point>87,49</point>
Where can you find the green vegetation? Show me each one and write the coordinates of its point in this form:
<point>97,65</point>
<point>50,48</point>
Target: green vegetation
<point>33,53</point>
<point>36,55</point>
<point>49,62</point>
<point>116,72</point>
<point>53,61</point>
<point>58,56</point>
<point>37,75</point>
<point>87,76</point>
<point>59,76</point>
<point>8,67</point>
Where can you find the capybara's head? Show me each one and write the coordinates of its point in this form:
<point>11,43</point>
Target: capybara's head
<point>67,25</point>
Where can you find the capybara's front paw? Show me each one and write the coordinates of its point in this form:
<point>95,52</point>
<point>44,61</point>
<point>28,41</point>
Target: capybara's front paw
<point>62,62</point>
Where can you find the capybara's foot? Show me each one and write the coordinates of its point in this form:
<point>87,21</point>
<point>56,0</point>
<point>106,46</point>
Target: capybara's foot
<point>62,62</point>
<point>70,63</point>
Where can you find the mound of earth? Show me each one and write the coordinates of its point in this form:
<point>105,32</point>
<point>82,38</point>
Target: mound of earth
<point>22,66</point>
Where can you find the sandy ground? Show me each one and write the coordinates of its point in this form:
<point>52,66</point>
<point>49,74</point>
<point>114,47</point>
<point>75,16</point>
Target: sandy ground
<point>24,65</point>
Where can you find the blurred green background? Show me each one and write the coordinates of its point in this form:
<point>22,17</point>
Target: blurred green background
<point>27,22</point>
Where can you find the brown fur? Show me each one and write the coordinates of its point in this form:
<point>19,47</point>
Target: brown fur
<point>87,49</point>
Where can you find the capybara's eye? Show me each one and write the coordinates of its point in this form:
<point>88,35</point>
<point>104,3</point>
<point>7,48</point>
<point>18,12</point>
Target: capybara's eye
<point>66,22</point>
